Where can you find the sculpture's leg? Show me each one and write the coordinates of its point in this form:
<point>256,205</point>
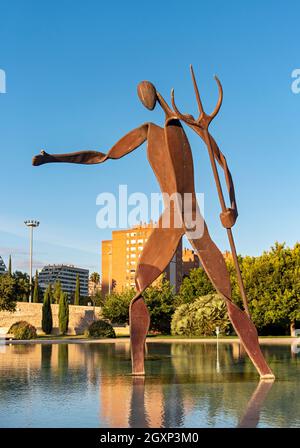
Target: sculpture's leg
<point>214,265</point>
<point>139,321</point>
<point>156,256</point>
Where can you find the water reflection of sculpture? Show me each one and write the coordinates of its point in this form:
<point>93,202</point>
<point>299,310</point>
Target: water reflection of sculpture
<point>170,385</point>
<point>146,405</point>
<point>196,364</point>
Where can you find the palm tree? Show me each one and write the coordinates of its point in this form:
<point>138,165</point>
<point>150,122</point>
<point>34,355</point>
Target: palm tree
<point>95,279</point>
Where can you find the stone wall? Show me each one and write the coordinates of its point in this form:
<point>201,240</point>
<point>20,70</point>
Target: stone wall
<point>80,317</point>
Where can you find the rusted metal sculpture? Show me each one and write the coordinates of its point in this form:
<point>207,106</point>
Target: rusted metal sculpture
<point>170,157</point>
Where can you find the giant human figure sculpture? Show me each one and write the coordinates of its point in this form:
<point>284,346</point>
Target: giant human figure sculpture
<point>170,157</point>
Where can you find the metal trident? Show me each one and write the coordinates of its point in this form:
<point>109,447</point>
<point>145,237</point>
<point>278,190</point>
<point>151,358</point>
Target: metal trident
<point>200,126</point>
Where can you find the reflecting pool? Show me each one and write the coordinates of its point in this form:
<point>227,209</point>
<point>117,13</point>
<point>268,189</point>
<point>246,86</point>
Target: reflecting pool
<point>188,384</point>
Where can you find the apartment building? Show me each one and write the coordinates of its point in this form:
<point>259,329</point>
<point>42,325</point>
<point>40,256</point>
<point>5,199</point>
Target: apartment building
<point>3,269</point>
<point>67,275</point>
<point>120,257</point>
<point>190,260</point>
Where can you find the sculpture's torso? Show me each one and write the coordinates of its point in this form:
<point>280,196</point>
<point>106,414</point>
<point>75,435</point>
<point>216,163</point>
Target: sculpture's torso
<point>170,157</point>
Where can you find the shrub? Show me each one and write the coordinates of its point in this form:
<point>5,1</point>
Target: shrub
<point>23,330</point>
<point>100,329</point>
<point>201,317</point>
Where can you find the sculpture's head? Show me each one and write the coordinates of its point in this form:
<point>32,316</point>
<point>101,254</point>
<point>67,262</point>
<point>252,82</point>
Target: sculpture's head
<point>147,94</point>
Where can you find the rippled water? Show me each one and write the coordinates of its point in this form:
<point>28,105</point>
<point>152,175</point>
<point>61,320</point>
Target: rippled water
<point>188,384</point>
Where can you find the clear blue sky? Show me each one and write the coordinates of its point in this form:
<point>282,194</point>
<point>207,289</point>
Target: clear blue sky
<point>72,68</point>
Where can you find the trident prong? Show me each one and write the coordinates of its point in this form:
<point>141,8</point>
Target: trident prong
<point>204,119</point>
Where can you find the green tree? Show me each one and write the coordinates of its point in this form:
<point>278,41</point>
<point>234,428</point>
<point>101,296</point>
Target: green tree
<point>7,293</point>
<point>57,292</point>
<point>22,286</point>
<point>47,320</point>
<point>202,317</point>
<point>116,306</point>
<point>272,283</point>
<point>77,291</point>
<point>36,288</point>
<point>9,266</point>
<point>51,293</point>
<point>97,298</point>
<point>63,313</point>
<point>160,301</point>
<point>197,284</point>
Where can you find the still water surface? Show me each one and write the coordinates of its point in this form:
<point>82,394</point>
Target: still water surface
<point>188,384</point>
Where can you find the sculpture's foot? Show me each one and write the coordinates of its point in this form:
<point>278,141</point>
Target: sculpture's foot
<point>247,333</point>
<point>139,324</point>
<point>267,377</point>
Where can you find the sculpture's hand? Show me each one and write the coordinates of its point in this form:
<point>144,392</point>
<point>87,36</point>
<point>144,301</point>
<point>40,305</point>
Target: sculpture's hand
<point>40,159</point>
<point>82,157</point>
<point>228,218</point>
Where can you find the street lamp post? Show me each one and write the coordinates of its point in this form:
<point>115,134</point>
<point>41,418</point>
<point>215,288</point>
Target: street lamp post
<point>109,271</point>
<point>218,361</point>
<point>31,223</point>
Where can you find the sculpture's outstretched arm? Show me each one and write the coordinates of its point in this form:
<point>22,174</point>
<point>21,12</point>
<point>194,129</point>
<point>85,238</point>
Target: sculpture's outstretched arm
<point>128,143</point>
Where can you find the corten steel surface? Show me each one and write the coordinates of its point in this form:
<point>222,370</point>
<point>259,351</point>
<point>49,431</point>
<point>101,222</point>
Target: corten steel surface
<point>170,157</point>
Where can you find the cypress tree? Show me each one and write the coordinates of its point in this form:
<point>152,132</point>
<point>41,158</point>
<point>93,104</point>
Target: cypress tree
<point>77,291</point>
<point>9,267</point>
<point>57,292</point>
<point>47,321</point>
<point>51,293</point>
<point>63,313</point>
<point>36,288</point>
